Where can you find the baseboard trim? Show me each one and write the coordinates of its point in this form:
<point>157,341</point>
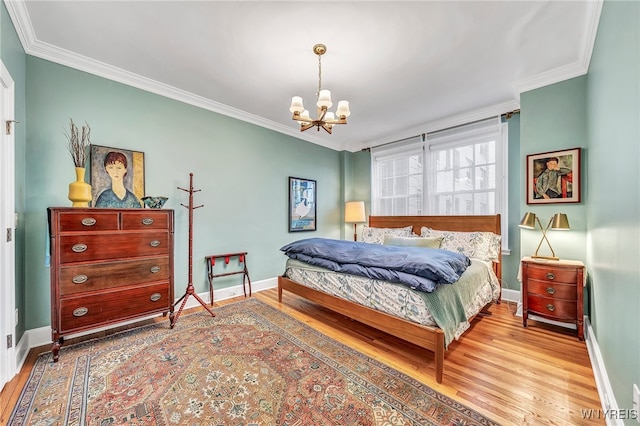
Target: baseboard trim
<point>605,391</point>
<point>42,336</point>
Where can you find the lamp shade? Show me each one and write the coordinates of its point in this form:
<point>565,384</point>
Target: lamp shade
<point>354,212</point>
<point>560,222</point>
<point>528,221</point>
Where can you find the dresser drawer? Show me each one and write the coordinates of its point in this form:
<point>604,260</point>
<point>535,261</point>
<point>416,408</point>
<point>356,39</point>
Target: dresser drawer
<point>88,221</point>
<point>549,307</point>
<point>145,219</point>
<point>102,308</point>
<point>552,289</point>
<point>552,273</point>
<point>103,275</point>
<point>89,247</point>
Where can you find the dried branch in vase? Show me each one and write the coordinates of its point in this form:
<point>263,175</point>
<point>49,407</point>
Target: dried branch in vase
<point>79,143</point>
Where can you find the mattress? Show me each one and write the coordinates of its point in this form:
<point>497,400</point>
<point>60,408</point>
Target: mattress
<point>482,287</point>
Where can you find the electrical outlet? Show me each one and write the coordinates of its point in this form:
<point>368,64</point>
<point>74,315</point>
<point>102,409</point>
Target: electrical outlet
<point>636,402</point>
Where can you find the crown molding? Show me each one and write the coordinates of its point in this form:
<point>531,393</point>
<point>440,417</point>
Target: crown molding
<point>577,68</point>
<point>444,123</point>
<point>32,46</point>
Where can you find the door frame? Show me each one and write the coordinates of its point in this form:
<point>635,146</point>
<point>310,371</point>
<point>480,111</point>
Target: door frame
<point>7,224</point>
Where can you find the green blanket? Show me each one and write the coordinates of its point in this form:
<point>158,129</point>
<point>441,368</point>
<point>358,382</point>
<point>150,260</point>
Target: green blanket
<point>447,302</point>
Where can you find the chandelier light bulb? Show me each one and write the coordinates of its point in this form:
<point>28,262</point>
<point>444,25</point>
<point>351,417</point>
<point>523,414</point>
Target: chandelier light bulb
<point>325,118</point>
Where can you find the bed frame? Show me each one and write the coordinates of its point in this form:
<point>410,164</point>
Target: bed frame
<point>431,338</point>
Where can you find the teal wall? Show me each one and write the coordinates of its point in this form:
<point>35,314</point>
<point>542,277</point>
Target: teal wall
<point>242,171</point>
<point>14,59</point>
<point>613,203</point>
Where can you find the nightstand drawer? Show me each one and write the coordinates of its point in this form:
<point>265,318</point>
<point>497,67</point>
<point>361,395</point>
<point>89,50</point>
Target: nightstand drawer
<point>552,273</point>
<point>552,289</point>
<point>554,308</point>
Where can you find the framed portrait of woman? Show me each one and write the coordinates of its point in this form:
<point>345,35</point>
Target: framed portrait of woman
<point>117,177</point>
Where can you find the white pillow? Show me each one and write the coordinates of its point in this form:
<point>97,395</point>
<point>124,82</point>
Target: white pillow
<point>376,235</point>
<point>477,245</point>
<point>426,242</point>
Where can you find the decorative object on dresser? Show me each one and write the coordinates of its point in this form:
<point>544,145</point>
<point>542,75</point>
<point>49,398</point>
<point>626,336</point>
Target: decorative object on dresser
<point>108,266</point>
<point>553,290</point>
<point>558,222</point>
<point>154,202</point>
<point>354,213</point>
<point>554,177</point>
<point>190,288</point>
<point>79,190</point>
<point>117,177</point>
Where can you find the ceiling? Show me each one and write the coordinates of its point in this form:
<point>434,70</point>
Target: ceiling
<point>405,67</point>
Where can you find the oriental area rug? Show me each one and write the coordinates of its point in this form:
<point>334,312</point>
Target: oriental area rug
<point>249,365</point>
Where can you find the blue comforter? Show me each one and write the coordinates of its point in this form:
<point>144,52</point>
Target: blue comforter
<point>419,268</point>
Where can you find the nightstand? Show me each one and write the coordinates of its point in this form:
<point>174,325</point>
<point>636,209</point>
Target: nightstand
<point>552,289</point>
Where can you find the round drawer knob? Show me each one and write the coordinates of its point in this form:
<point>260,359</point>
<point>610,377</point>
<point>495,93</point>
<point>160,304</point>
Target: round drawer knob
<point>147,221</point>
<point>79,279</point>
<point>551,276</point>
<point>89,221</point>
<point>551,290</point>
<point>79,248</point>
<point>550,307</point>
<point>79,312</point>
<point>155,269</point>
<point>155,297</point>
<point>154,243</point>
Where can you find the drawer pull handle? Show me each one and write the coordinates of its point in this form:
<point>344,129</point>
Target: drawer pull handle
<point>79,279</point>
<point>89,221</point>
<point>550,276</point>
<point>155,297</point>
<point>551,307</point>
<point>551,290</point>
<point>79,312</point>
<point>155,269</point>
<point>147,221</point>
<point>154,243</point>
<point>79,248</point>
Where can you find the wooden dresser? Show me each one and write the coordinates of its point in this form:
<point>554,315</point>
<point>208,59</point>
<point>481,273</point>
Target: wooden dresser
<point>108,266</point>
<point>553,290</point>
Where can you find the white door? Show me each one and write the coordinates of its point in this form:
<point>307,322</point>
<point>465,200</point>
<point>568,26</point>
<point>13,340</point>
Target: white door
<point>7,224</point>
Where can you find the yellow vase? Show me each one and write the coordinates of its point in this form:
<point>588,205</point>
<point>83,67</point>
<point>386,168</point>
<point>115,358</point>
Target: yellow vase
<point>80,191</point>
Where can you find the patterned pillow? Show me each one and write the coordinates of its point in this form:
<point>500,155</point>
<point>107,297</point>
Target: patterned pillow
<point>428,242</point>
<point>477,245</point>
<point>376,235</point>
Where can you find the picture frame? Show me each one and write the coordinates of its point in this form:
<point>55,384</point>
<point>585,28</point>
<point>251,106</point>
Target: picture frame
<point>554,177</point>
<point>122,186</point>
<point>302,204</point>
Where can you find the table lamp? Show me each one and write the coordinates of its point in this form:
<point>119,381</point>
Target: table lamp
<point>354,213</point>
<point>558,221</point>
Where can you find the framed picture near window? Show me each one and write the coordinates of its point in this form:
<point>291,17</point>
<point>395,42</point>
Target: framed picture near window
<point>554,177</point>
<point>302,204</point>
<point>117,177</point>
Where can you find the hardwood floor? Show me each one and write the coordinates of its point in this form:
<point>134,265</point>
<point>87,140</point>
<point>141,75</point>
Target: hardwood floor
<point>539,375</point>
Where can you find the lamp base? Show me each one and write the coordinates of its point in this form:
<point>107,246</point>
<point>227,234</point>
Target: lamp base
<point>545,257</point>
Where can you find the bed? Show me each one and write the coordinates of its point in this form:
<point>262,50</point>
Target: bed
<point>430,337</point>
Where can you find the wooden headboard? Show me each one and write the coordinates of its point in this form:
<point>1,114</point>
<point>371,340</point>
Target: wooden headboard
<point>485,223</point>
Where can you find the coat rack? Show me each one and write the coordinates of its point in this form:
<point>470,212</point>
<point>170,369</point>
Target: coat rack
<point>190,289</point>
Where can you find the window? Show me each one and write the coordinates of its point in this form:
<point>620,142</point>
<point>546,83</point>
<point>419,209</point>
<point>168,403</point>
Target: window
<point>458,171</point>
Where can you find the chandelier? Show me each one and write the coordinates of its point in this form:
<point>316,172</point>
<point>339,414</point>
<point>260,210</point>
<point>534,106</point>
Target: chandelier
<point>325,118</point>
